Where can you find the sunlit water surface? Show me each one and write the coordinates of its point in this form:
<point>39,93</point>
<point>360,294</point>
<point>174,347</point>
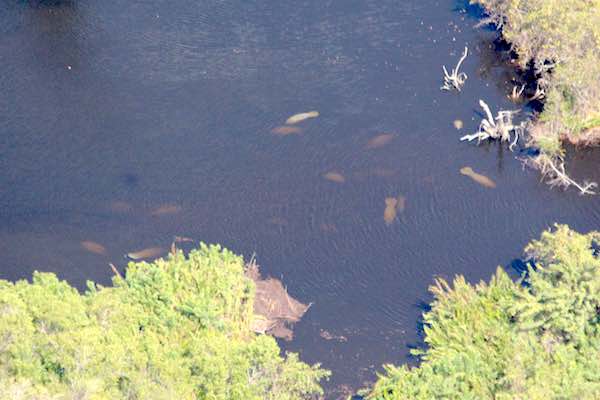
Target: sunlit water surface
<point>112,110</point>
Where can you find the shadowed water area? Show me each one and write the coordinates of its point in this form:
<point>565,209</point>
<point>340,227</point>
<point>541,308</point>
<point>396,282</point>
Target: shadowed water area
<point>127,123</point>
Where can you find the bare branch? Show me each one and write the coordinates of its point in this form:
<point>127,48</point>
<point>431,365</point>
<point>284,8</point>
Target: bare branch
<point>456,79</point>
<point>487,110</point>
<point>554,173</point>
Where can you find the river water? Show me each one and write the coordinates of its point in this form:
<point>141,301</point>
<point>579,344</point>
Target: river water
<point>129,122</point>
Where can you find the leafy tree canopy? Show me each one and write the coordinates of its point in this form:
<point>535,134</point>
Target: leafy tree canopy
<point>172,329</point>
<point>537,338</point>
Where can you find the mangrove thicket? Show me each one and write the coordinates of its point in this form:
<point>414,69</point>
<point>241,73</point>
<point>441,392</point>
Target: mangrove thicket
<point>537,338</point>
<point>176,328</point>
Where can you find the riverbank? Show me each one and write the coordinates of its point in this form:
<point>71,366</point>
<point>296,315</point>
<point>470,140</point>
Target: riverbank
<point>560,43</point>
<point>181,327</point>
<point>532,339</point>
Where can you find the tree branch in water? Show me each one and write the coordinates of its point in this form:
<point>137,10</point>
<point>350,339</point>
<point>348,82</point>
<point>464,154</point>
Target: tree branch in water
<point>499,128</point>
<point>553,171</point>
<point>456,79</point>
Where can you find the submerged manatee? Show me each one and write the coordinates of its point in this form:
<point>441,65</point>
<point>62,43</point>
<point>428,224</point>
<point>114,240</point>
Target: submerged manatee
<point>479,178</point>
<point>334,177</point>
<point>166,209</point>
<point>294,119</point>
<point>285,130</point>
<point>93,247</point>
<point>380,140</point>
<point>389,214</point>
<point>150,252</point>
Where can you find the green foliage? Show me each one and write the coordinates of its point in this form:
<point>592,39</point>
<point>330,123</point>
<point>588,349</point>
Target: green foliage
<point>533,339</point>
<point>562,39</point>
<point>171,329</point>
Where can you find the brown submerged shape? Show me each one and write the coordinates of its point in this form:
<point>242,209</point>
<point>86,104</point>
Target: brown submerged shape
<point>334,176</point>
<point>93,247</point>
<point>389,214</point>
<point>150,252</point>
<point>479,178</point>
<point>380,140</point>
<point>274,308</point>
<point>286,130</point>
<point>166,209</point>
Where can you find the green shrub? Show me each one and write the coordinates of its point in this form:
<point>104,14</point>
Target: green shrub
<point>171,329</point>
<point>538,338</point>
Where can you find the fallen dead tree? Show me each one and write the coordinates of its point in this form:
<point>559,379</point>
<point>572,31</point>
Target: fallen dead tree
<point>274,309</point>
<point>554,173</point>
<point>550,160</point>
<point>500,127</point>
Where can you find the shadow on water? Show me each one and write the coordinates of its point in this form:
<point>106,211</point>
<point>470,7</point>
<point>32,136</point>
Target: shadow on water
<point>475,12</point>
<point>126,123</point>
<point>519,267</point>
<point>51,4</point>
<point>424,306</point>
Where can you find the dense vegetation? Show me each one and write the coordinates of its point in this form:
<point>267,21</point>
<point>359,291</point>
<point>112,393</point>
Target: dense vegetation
<point>561,40</point>
<point>538,338</point>
<point>172,329</point>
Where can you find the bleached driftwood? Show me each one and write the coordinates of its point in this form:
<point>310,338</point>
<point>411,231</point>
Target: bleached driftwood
<point>500,127</point>
<point>554,173</point>
<point>456,79</point>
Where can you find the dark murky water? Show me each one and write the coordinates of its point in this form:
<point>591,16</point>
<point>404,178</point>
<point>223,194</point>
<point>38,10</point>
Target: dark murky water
<point>110,110</point>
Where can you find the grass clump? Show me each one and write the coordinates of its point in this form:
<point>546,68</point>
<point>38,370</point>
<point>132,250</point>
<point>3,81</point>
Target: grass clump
<point>172,329</point>
<point>534,339</point>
